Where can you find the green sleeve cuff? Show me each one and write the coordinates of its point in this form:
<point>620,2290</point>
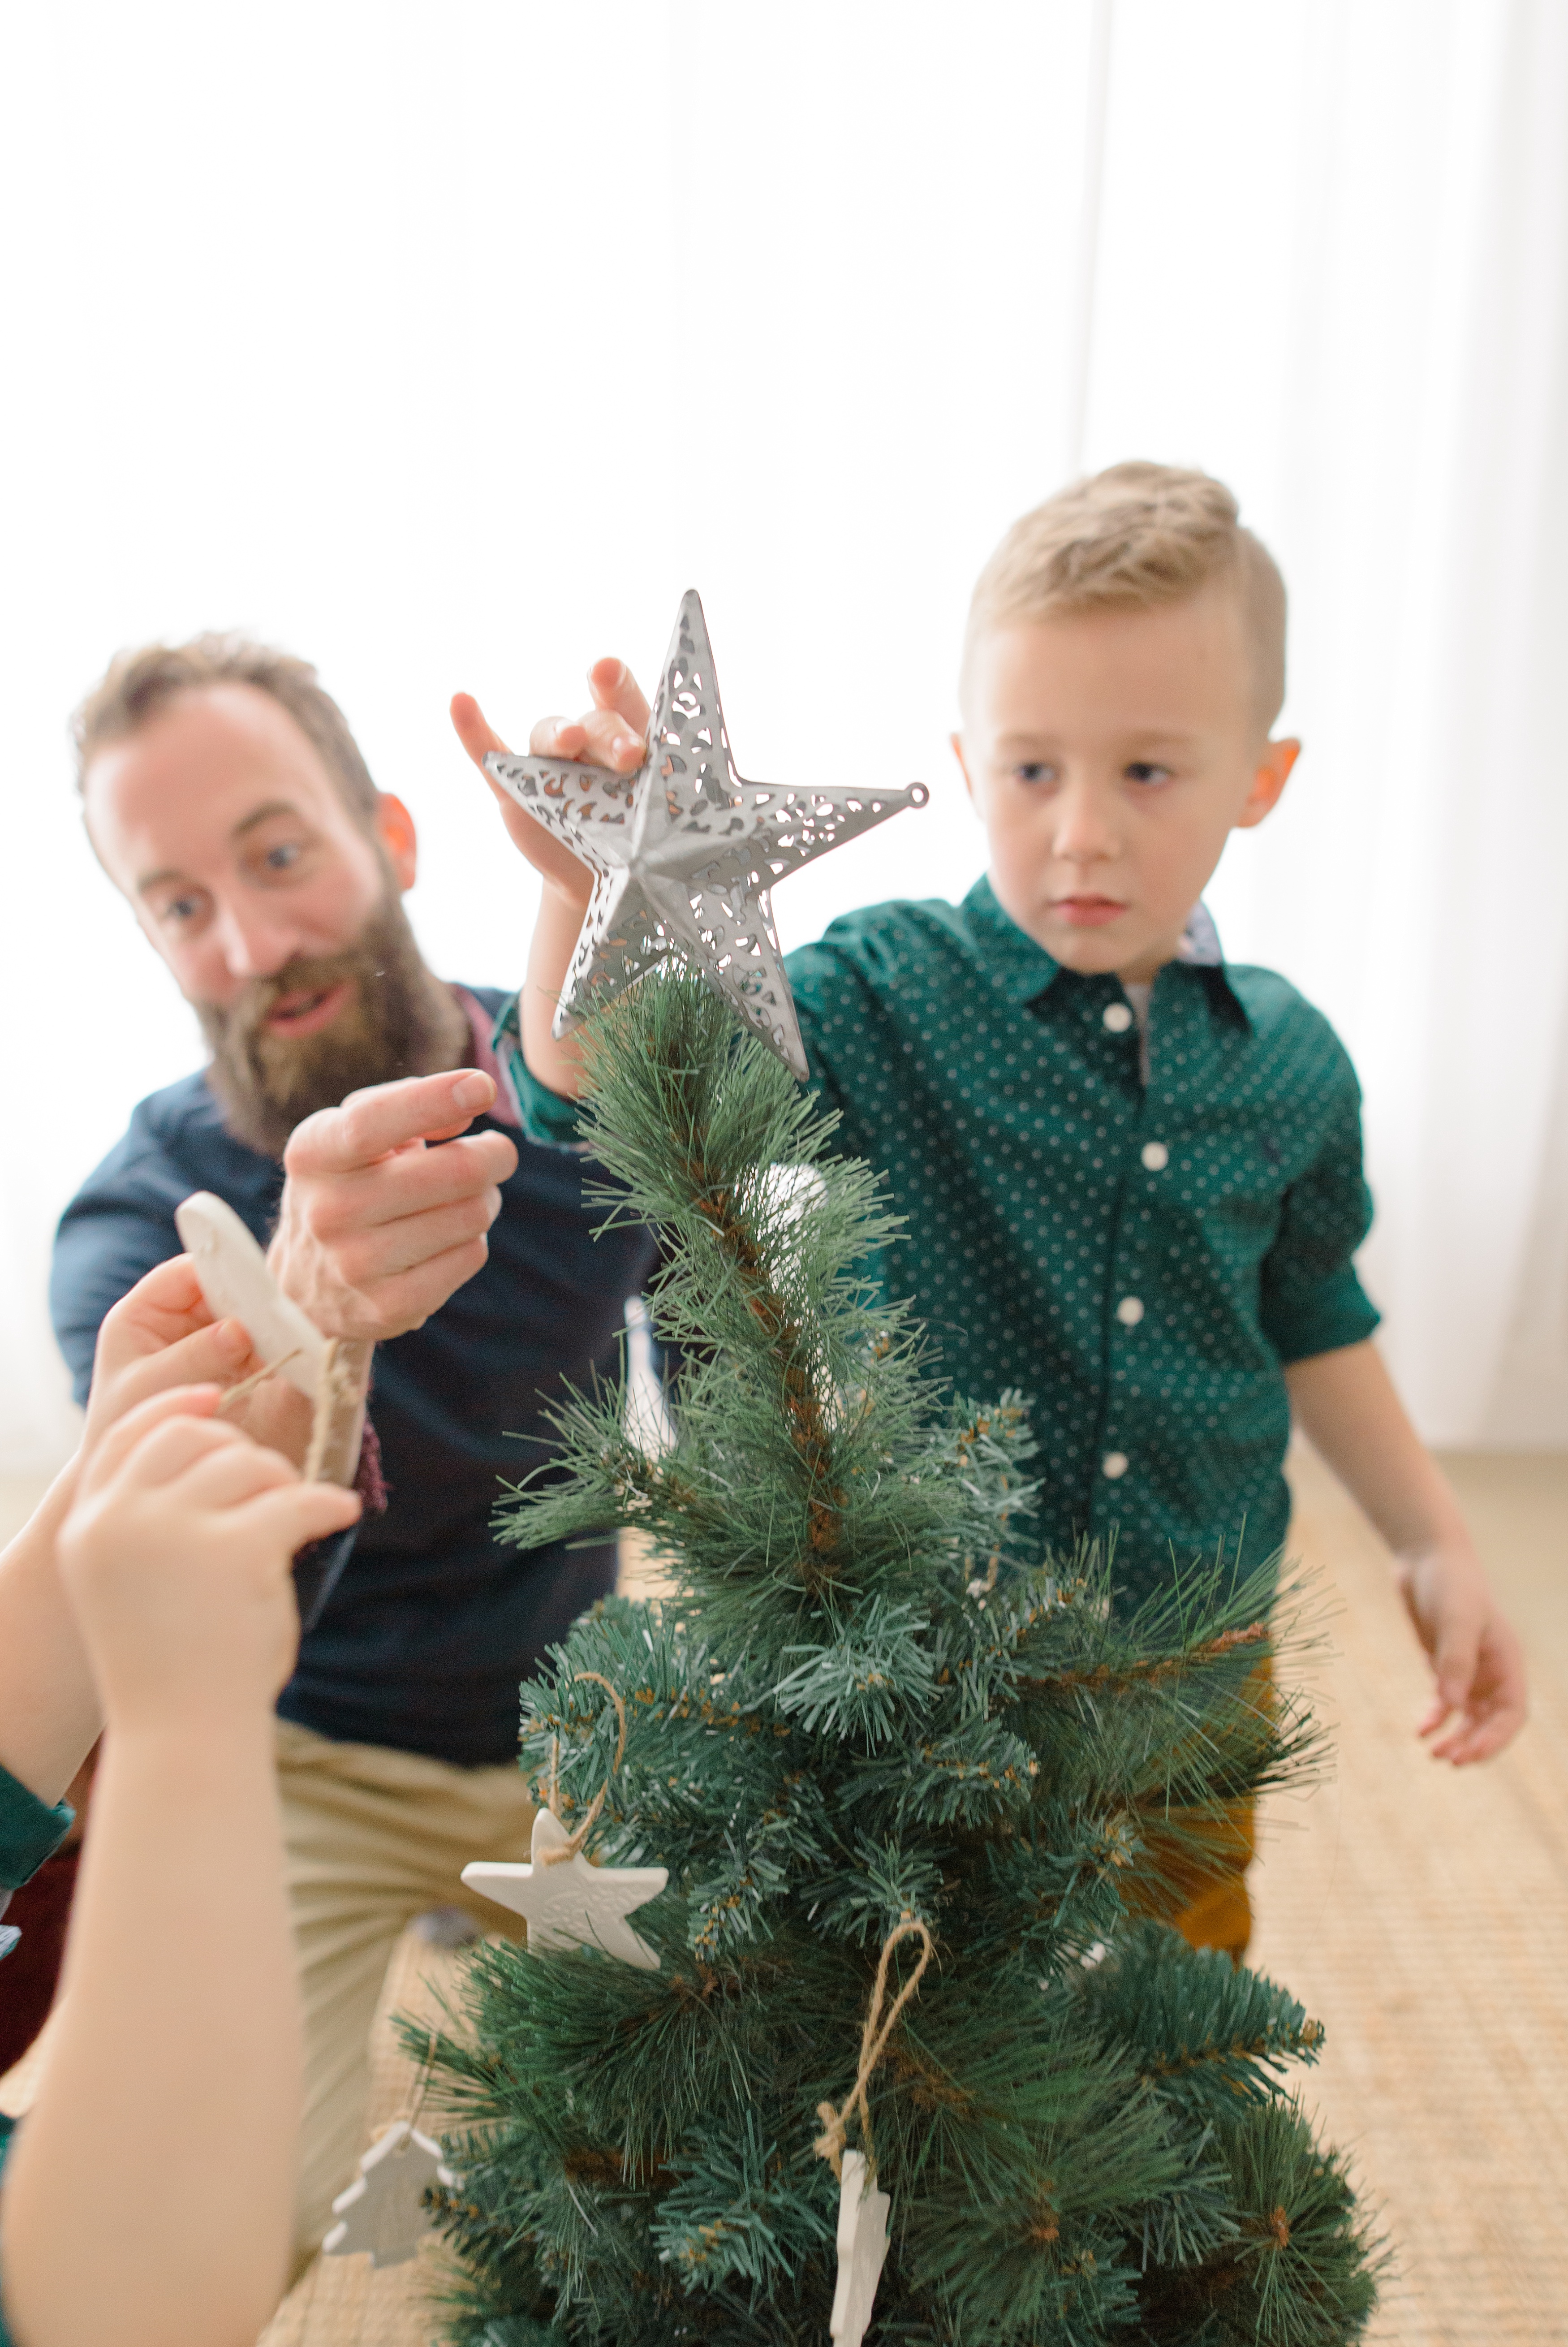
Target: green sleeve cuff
<point>546,1116</point>
<point>30,1832</point>
<point>1301,1318</point>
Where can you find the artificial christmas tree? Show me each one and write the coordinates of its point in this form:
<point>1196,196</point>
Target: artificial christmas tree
<point>872,1732</point>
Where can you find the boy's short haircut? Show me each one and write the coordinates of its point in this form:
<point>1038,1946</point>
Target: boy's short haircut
<point>137,684</point>
<point>1125,540</point>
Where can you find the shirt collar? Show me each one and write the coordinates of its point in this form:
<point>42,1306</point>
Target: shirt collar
<point>1023,970</point>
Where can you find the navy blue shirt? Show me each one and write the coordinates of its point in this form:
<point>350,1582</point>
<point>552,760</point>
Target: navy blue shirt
<point>432,1624</point>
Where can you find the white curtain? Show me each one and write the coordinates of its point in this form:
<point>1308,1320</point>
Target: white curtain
<point>449,346</point>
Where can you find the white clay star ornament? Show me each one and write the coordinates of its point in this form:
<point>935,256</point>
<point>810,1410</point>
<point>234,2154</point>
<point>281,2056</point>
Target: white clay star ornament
<point>685,852</point>
<point>384,2209</point>
<point>862,2250</point>
<point>567,1902</point>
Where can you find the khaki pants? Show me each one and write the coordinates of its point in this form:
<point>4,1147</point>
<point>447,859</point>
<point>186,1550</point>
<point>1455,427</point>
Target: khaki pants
<point>1218,1913</point>
<point>373,1837</point>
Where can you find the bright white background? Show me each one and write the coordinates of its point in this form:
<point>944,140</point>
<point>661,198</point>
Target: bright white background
<point>448,346</point>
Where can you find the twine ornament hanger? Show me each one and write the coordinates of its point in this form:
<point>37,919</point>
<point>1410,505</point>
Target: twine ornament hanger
<point>862,2235</point>
<point>575,1841</point>
<point>566,1902</point>
<point>874,2040</point>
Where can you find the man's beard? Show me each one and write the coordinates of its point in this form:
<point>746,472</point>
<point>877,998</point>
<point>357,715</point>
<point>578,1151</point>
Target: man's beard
<point>399,1021</point>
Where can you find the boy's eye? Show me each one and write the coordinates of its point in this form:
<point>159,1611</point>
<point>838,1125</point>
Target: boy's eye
<point>1143,770</point>
<point>1034,770</point>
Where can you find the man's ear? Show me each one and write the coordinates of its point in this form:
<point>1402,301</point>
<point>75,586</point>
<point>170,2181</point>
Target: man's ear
<point>1269,782</point>
<point>394,829</point>
<point>958,742</point>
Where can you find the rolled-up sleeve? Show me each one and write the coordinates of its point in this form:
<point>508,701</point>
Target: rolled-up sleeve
<point>549,1118</point>
<point>1312,1300</point>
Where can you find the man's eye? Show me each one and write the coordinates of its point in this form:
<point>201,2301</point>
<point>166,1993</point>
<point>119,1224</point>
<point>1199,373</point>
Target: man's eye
<point>283,857</point>
<point>179,909</point>
<point>1142,770</point>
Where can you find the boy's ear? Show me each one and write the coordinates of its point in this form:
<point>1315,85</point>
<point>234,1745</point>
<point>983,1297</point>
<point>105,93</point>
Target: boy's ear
<point>394,829</point>
<point>1269,779</point>
<point>958,742</point>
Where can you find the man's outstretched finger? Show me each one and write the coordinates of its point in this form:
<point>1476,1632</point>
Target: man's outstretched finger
<point>369,1125</point>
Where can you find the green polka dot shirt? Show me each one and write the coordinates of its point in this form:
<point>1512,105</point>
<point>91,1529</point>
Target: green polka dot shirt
<point>1137,1233</point>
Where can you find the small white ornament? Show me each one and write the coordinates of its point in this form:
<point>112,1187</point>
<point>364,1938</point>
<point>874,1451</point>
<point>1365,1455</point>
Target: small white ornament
<point>569,1903</point>
<point>685,852</point>
<point>862,2250</point>
<point>238,1285</point>
<point>384,2210</point>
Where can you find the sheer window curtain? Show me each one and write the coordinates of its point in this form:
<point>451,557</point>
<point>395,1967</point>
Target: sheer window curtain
<point>448,349</point>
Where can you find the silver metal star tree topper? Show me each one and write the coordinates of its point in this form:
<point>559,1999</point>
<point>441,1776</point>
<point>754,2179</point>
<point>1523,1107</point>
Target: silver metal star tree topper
<point>685,852</point>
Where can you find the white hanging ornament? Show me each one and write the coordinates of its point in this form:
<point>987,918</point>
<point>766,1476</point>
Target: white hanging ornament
<point>384,2209</point>
<point>567,1902</point>
<point>238,1284</point>
<point>685,852</point>
<point>862,2250</point>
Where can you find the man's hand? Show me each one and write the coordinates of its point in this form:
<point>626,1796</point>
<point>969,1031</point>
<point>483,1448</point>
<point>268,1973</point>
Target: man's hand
<point>1476,1657</point>
<point>377,1229</point>
<point>612,734</point>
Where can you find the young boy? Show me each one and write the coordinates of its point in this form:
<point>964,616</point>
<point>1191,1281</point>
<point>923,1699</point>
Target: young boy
<point>148,2192</point>
<point>1131,1172</point>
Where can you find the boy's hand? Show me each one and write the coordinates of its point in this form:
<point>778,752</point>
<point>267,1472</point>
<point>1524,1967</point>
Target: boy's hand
<point>176,1557</point>
<point>612,734</point>
<point>1476,1656</point>
<point>159,1335</point>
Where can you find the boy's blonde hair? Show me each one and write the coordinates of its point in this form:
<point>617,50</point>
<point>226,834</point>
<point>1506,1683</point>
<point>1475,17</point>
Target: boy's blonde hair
<point>1131,537</point>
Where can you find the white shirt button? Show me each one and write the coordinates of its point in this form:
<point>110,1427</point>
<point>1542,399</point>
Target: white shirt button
<point>1155,1156</point>
<point>1130,1311</point>
<point>1114,1463</point>
<point>1118,1017</point>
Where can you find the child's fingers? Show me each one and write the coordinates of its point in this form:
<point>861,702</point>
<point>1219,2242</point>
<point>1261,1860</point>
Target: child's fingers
<point>298,1513</point>
<point>1496,1704</point>
<point>218,1479</point>
<point>1455,1657</point>
<point>165,1305</point>
<point>188,1405</point>
<point>219,1354</point>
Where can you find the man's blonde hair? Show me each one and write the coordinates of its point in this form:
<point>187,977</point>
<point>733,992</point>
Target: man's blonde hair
<point>1125,540</point>
<point>137,684</point>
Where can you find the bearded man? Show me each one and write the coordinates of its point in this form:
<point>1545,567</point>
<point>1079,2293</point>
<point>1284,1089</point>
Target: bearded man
<point>227,800</point>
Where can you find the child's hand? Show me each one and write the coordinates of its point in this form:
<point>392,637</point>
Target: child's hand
<point>612,734</point>
<point>1476,1656</point>
<point>176,1557</point>
<point>160,1335</point>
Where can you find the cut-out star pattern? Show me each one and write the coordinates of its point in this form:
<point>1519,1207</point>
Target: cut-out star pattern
<point>685,852</point>
<point>567,1902</point>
